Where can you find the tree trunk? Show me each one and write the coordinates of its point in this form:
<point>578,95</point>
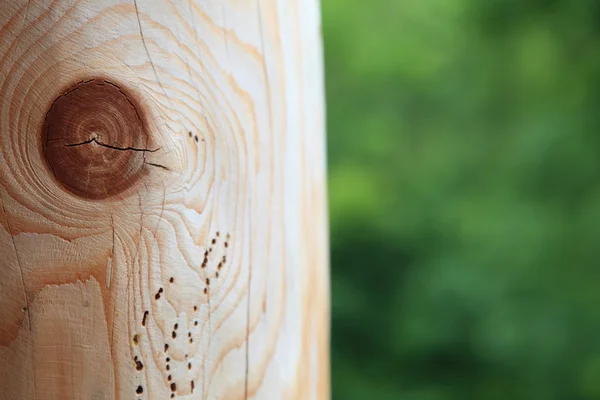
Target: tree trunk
<point>163,209</point>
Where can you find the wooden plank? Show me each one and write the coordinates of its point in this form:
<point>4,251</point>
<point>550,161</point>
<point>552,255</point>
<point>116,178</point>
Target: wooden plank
<point>163,227</point>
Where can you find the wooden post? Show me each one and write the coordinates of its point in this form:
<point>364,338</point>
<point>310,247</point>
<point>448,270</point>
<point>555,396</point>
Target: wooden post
<point>163,213</point>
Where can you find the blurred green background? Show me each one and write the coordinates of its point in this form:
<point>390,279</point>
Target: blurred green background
<point>464,184</point>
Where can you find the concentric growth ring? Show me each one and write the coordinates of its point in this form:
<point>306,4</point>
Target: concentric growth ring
<point>95,139</point>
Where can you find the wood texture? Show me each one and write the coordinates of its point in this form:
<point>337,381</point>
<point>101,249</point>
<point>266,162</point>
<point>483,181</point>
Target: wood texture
<point>183,254</point>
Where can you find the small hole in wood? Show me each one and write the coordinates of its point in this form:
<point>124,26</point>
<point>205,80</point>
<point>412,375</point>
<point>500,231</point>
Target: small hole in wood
<point>169,378</point>
<point>189,365</point>
<point>195,308</point>
<point>174,334</point>
<point>139,366</point>
<point>136,339</point>
<point>192,384</point>
<point>173,387</point>
<point>196,323</point>
<point>139,390</point>
<point>166,347</point>
<point>172,280</point>
<point>144,318</point>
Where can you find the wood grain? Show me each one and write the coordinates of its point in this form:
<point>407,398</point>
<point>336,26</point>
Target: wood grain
<point>182,253</point>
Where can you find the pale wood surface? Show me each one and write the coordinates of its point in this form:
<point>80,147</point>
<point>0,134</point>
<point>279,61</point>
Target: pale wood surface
<point>91,290</point>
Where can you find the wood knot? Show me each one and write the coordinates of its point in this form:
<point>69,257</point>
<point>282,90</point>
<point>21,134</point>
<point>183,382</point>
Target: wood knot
<point>95,139</point>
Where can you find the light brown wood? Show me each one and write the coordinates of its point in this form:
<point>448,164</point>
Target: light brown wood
<point>163,209</point>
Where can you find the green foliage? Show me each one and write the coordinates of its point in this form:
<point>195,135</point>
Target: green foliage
<point>464,173</point>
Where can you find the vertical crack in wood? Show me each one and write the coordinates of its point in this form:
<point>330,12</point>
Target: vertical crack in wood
<point>129,274</point>
<point>189,70</point>
<point>187,60</point>
<point>26,15</point>
<point>268,94</point>
<point>162,209</point>
<point>18,262</point>
<point>28,311</point>
<point>146,93</point>
<point>264,63</point>
<point>137,14</point>
<point>109,266</point>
